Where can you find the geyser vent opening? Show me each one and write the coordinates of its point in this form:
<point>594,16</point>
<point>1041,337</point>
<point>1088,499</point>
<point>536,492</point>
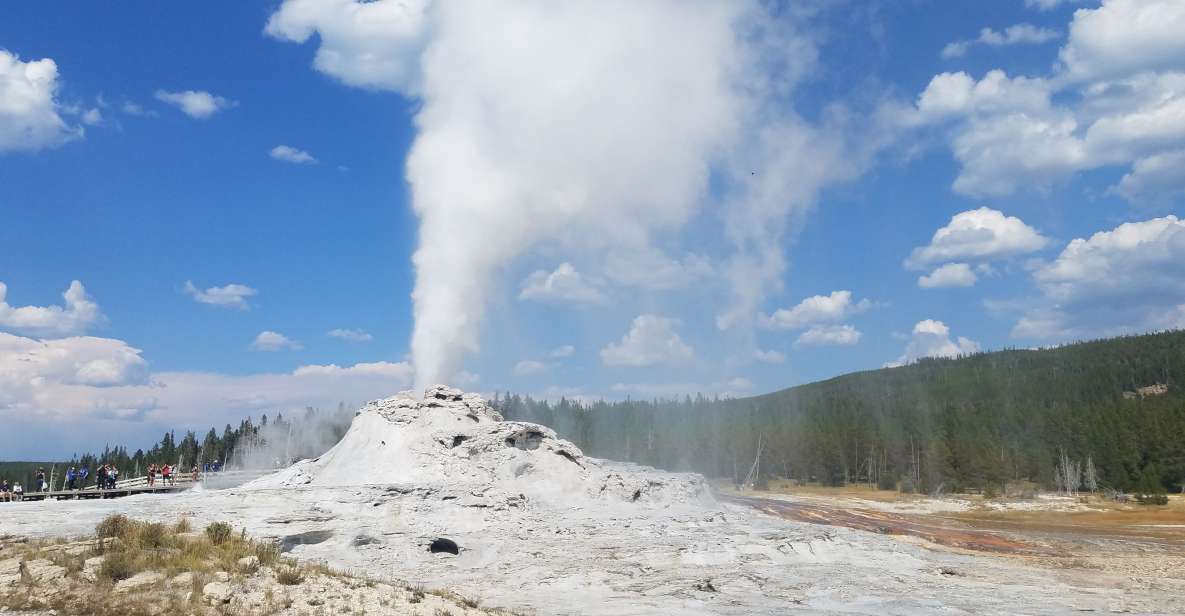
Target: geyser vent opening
<point>440,544</point>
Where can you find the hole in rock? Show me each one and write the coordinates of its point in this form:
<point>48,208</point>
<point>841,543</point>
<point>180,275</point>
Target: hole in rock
<point>458,439</point>
<point>526,441</point>
<point>312,537</point>
<point>637,495</point>
<point>441,544</point>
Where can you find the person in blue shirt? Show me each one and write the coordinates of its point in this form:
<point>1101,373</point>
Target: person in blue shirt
<point>71,475</point>
<point>82,475</point>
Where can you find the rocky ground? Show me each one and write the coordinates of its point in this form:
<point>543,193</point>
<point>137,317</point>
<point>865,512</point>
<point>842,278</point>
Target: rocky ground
<point>541,528</point>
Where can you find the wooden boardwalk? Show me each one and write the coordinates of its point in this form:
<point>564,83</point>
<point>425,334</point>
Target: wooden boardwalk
<point>116,492</point>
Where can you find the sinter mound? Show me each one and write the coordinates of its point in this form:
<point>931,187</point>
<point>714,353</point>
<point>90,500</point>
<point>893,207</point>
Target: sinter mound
<point>453,441</point>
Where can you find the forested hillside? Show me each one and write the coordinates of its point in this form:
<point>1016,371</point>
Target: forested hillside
<point>971,422</point>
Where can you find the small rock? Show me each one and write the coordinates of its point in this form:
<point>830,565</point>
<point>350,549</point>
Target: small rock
<point>140,580</point>
<point>217,592</point>
<point>222,576</point>
<point>44,570</point>
<point>705,586</point>
<point>182,579</point>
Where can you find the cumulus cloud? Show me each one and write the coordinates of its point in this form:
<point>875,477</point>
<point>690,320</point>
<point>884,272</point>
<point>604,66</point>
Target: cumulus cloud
<point>949,275</point>
<point>651,340</point>
<point>769,357</point>
<point>529,367</point>
<point>931,338</point>
<point>829,335</point>
<point>1155,181</point>
<point>815,310</point>
<point>232,295</point>
<point>197,104</point>
<point>78,314</point>
<point>1018,34</point>
<point>351,335</point>
<point>29,111</point>
<point>1116,97</point>
<point>565,284</point>
<point>292,155</point>
<point>559,352</point>
<point>274,341</point>
<point>1128,279</point>
<point>982,234</point>
<point>374,45</point>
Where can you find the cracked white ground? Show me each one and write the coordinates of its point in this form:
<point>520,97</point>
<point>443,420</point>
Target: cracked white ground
<point>543,528</point>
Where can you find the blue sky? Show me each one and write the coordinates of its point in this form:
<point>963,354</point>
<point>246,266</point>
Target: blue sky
<point>595,217</point>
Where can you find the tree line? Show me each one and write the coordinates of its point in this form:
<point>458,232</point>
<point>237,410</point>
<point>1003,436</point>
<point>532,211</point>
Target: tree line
<point>973,422</point>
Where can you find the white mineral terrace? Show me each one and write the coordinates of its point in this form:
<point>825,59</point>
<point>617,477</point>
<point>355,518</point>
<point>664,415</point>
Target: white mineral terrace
<point>542,527</point>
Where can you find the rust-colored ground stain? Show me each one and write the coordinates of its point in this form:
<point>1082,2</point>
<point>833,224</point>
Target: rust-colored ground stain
<point>941,533</point>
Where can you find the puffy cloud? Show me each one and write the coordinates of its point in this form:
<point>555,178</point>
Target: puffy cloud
<point>372,45</point>
<point>565,284</point>
<point>197,104</point>
<point>651,340</point>
<point>769,357</point>
<point>83,360</point>
<point>29,118</point>
<point>931,338</point>
<point>559,352</point>
<point>79,314</point>
<point>1156,181</point>
<point>1048,5</point>
<point>273,341</point>
<point>1121,99</point>
<point>352,335</point>
<point>982,234</point>
<point>91,117</point>
<point>1128,279</point>
<point>292,155</point>
<point>949,275</point>
<point>816,309</point>
<point>1018,34</point>
<point>528,367</point>
<point>1123,37</point>
<point>232,295</point>
<point>829,335</point>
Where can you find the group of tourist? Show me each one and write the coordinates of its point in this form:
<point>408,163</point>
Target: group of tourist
<point>168,474</point>
<point>13,493</point>
<point>106,476</point>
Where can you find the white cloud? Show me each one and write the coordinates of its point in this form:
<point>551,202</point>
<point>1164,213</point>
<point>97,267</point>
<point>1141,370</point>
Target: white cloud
<point>931,338</point>
<point>529,367</point>
<point>135,109</point>
<point>1156,181</point>
<point>29,118</point>
<point>651,340</point>
<point>91,117</point>
<point>1017,34</point>
<point>79,314</point>
<point>565,284</point>
<point>292,155</point>
<point>949,275</point>
<point>1128,279</point>
<point>814,310</point>
<point>197,104</point>
<point>1116,97</point>
<point>1048,5</point>
<point>769,357</point>
<point>232,295</point>
<point>26,363</point>
<point>731,388</point>
<point>829,335</point>
<point>982,234</point>
<point>273,341</point>
<point>1124,37</point>
<point>372,45</point>
<point>559,352</point>
<point>352,335</point>
<point>652,269</point>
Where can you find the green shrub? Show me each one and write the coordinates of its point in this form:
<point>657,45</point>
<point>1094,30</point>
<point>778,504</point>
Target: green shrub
<point>1152,499</point>
<point>289,576</point>
<point>887,481</point>
<point>219,532</point>
<point>152,535</point>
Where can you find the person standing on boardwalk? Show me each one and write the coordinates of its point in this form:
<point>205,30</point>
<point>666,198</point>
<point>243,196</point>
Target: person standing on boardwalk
<point>82,475</point>
<point>18,493</point>
<point>5,492</point>
<point>101,478</point>
<point>151,474</point>
<point>71,476</point>
<point>39,480</point>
